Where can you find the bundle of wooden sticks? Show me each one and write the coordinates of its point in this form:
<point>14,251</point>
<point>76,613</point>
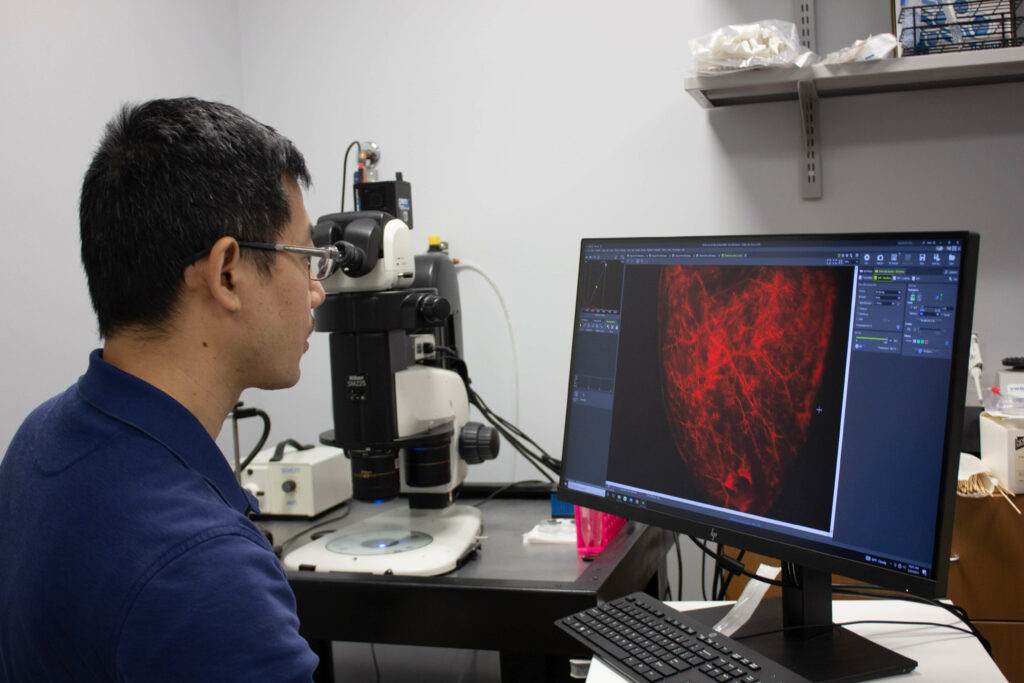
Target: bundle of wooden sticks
<point>981,483</point>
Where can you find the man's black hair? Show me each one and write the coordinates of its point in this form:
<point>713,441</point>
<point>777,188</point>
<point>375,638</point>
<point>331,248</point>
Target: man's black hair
<point>169,179</point>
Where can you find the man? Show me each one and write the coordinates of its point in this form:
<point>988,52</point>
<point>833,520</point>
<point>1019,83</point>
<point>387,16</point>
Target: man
<point>126,550</point>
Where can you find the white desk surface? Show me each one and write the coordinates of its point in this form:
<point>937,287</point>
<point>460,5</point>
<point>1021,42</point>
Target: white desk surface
<point>942,654</point>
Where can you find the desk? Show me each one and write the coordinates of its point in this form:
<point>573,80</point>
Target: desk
<point>942,654</point>
<point>985,577</point>
<point>505,599</point>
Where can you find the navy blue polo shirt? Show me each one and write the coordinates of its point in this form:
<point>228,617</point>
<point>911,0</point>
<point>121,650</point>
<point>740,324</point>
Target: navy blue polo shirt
<point>125,550</point>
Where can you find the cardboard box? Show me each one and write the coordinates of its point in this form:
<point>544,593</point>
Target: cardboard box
<point>1002,449</point>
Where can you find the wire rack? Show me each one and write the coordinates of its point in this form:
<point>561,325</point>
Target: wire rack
<point>958,26</point>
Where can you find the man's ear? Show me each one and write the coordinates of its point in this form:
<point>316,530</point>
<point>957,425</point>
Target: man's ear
<point>218,272</point>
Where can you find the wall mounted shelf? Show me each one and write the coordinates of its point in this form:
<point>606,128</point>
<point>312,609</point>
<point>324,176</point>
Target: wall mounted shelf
<point>809,84</point>
<point>859,78</point>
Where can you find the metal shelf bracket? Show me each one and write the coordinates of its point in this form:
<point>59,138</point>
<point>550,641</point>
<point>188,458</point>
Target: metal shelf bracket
<point>805,24</point>
<point>808,96</point>
<point>810,132</point>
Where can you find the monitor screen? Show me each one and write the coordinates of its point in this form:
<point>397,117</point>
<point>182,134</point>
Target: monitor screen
<point>800,396</point>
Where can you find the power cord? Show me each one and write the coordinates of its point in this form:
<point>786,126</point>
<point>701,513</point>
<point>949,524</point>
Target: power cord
<point>801,627</point>
<point>344,169</point>
<point>241,413</point>
<point>281,548</point>
<point>730,564</point>
<point>518,439</point>
<point>735,566</point>
<point>871,591</point>
<point>703,573</point>
<point>538,457</point>
<point>376,664</point>
<point>726,577</point>
<point>465,266</point>
<point>679,563</point>
<point>497,492</point>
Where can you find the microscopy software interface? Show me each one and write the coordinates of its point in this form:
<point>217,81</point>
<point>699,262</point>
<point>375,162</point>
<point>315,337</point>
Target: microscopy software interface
<point>767,384</point>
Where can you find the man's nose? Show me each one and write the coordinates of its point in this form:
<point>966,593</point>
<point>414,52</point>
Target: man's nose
<point>318,293</point>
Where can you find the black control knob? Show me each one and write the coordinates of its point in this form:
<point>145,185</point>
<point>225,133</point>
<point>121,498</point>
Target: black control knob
<point>434,308</point>
<point>478,442</point>
<point>288,486</point>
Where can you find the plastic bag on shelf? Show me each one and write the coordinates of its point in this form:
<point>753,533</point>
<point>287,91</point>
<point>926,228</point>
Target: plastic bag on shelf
<point>873,47</point>
<point>768,43</point>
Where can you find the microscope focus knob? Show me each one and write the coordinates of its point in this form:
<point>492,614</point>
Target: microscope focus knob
<point>434,308</point>
<point>478,443</point>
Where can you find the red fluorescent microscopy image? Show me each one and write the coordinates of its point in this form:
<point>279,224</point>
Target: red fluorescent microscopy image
<point>742,353</point>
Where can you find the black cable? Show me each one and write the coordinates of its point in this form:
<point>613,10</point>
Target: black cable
<point>866,591</point>
<point>703,573</point>
<point>512,435</point>
<point>449,350</point>
<point>280,549</point>
<point>731,565</point>
<point>344,169</point>
<point>537,457</point>
<point>906,623</point>
<point>679,560</point>
<point>716,573</point>
<point>515,438</point>
<point>783,629</point>
<point>240,413</point>
<point>728,576</point>
<point>279,449</point>
<point>376,665</point>
<point>862,590</point>
<point>501,490</point>
<point>541,455</point>
<point>551,463</point>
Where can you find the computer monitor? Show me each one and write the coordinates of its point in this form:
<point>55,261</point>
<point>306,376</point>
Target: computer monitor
<point>798,396</point>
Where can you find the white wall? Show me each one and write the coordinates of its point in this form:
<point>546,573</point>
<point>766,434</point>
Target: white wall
<point>525,126</point>
<point>65,69</point>
<point>522,126</point>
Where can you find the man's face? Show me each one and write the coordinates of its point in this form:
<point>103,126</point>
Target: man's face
<point>283,321</point>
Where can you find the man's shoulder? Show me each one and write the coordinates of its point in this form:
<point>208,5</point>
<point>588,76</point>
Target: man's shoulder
<point>65,429</point>
<point>184,603</point>
<point>46,413</point>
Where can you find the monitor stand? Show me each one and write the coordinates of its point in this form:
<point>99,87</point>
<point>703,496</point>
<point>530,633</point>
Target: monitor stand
<point>811,645</point>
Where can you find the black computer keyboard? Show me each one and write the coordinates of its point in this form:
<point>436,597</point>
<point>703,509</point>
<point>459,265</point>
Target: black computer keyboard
<point>645,640</point>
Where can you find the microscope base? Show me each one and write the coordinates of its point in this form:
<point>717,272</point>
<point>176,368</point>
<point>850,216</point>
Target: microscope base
<point>403,542</point>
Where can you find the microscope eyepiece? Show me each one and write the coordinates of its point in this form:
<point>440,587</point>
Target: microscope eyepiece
<point>358,237</point>
<point>350,257</point>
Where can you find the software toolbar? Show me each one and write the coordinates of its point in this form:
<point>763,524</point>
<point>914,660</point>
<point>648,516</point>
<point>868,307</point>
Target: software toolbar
<point>904,295</point>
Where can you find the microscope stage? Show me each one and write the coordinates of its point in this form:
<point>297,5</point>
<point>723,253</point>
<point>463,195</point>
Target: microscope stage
<point>403,542</point>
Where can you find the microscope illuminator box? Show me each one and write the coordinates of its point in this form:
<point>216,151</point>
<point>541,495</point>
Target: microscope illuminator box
<point>302,483</point>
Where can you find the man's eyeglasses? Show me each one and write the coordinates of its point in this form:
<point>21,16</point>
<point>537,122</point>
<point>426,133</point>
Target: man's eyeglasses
<point>323,261</point>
